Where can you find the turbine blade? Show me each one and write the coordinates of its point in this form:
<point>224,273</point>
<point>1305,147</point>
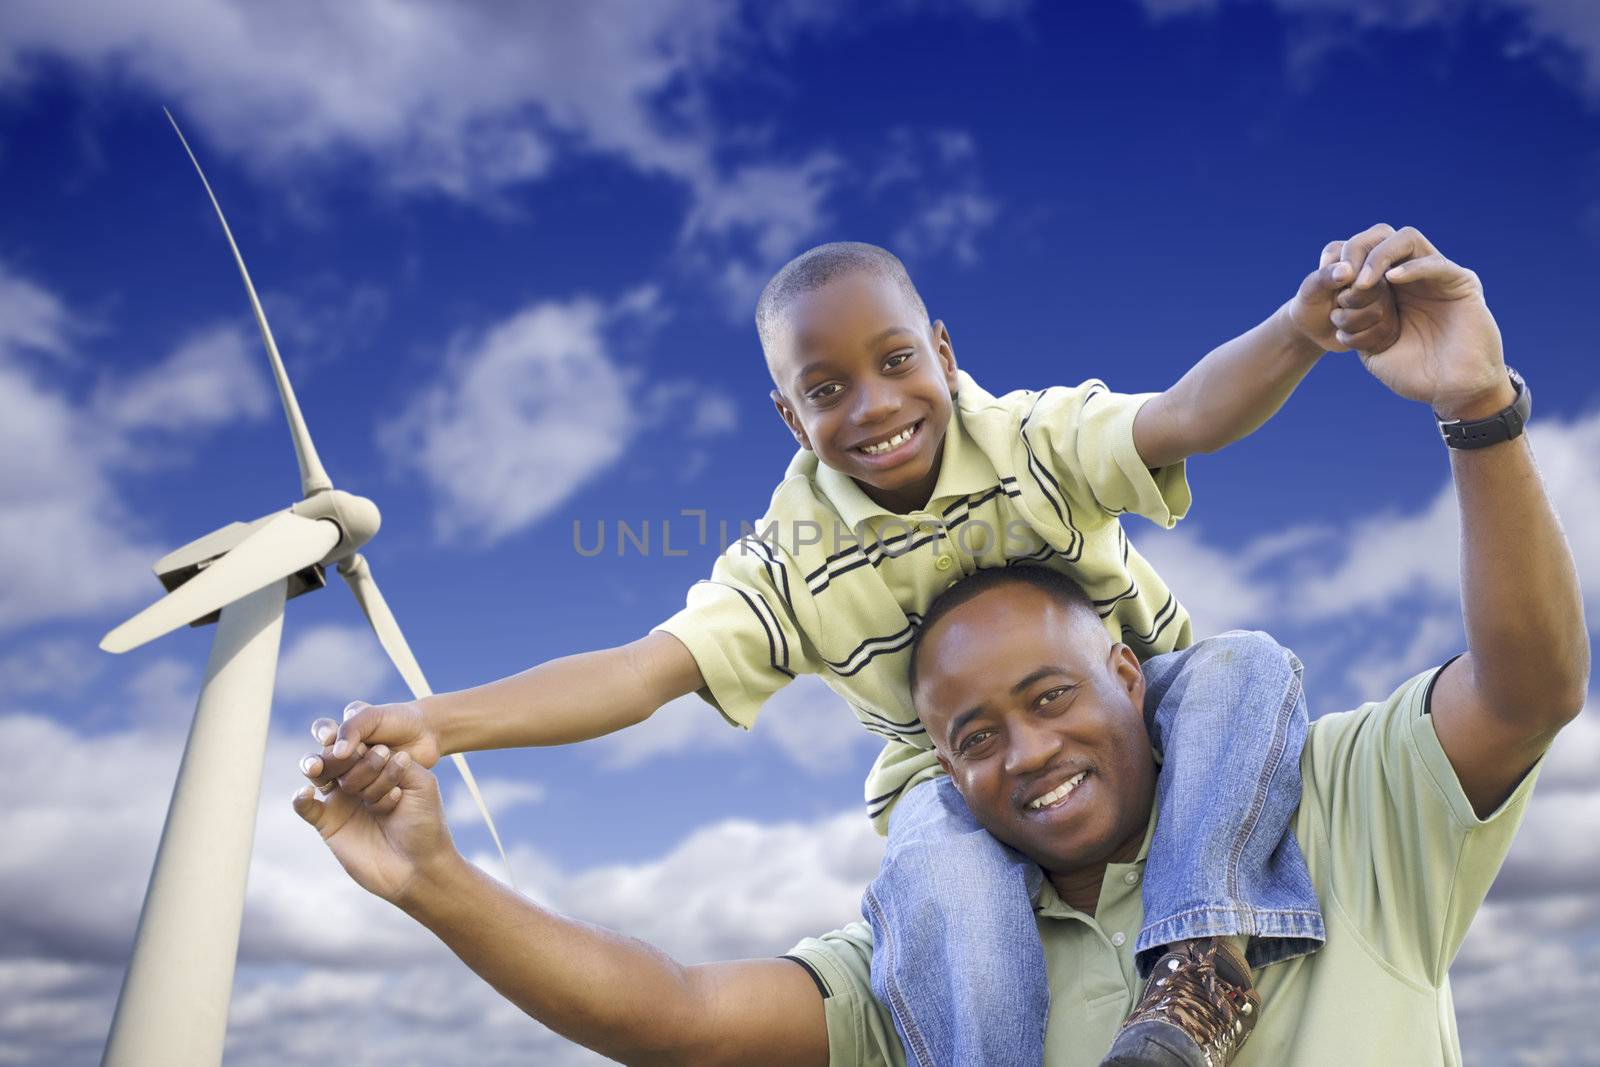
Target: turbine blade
<point>284,545</point>
<point>358,575</point>
<point>312,477</point>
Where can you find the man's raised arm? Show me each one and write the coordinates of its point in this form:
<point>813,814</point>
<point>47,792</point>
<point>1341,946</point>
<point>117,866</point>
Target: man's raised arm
<point>617,995</point>
<point>1525,675</point>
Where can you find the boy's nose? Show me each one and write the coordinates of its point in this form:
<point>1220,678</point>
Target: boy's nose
<point>875,403</point>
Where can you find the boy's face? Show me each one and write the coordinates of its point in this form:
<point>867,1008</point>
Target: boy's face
<point>867,386</point>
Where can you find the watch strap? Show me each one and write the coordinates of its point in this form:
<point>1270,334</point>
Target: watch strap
<point>1503,425</point>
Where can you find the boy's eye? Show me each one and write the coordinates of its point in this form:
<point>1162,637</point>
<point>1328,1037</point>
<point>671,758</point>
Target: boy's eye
<point>896,360</point>
<point>825,391</point>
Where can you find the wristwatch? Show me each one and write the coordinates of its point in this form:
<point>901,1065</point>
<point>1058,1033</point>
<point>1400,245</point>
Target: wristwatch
<point>1501,426</point>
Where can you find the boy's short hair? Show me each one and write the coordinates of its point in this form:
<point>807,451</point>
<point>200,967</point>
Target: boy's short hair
<point>813,269</point>
<point>1057,586</point>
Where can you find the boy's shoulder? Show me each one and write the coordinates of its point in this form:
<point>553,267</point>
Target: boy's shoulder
<point>997,422</point>
<point>974,401</point>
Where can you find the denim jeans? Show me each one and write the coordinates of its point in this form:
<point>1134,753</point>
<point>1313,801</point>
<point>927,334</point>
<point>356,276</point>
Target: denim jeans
<point>956,953</point>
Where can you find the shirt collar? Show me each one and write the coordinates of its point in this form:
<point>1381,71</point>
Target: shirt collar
<point>1048,902</point>
<point>964,469</point>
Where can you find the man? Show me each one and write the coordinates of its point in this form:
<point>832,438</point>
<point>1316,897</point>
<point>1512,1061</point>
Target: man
<point>1406,811</point>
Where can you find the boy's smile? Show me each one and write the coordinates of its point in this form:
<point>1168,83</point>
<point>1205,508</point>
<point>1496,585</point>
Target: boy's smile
<point>867,385</point>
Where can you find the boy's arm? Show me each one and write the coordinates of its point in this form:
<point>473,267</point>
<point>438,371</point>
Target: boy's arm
<point>573,698</point>
<point>1241,384</point>
<point>614,994</point>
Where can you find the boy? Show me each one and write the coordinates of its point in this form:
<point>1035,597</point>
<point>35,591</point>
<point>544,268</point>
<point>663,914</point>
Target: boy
<point>909,477</point>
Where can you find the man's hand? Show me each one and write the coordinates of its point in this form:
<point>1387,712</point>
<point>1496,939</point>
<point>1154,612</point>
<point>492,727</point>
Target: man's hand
<point>1448,352</point>
<point>387,831</point>
<point>1334,316</point>
<point>403,726</point>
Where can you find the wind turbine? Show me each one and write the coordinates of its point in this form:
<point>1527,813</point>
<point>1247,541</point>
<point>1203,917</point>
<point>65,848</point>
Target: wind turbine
<point>173,1006</point>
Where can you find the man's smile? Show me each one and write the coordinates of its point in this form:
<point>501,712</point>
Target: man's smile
<point>1047,798</point>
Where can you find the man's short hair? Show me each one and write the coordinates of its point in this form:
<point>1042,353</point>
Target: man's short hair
<point>1052,583</point>
<point>813,269</point>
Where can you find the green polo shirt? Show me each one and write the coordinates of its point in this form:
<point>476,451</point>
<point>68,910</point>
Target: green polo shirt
<point>832,584</point>
<point>1401,864</point>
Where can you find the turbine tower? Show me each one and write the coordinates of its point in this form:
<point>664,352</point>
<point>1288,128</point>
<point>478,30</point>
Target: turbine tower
<point>173,1007</point>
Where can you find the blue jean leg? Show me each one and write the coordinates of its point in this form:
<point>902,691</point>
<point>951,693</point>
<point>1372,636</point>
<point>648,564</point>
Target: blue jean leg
<point>1229,713</point>
<point>955,953</point>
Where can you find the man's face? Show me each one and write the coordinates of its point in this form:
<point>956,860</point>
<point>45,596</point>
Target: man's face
<point>867,385</point>
<point>1039,719</point>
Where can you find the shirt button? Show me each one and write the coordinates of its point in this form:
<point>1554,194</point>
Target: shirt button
<point>944,563</point>
<point>1118,938</point>
<point>1132,877</point>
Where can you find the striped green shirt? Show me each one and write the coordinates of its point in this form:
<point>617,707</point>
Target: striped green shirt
<point>834,585</point>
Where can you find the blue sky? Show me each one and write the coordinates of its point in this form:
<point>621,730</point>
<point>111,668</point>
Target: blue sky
<point>511,261</point>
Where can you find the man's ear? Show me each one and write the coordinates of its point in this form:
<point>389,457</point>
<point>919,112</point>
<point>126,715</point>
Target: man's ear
<point>791,420</point>
<point>1129,674</point>
<point>945,352</point>
<point>943,762</point>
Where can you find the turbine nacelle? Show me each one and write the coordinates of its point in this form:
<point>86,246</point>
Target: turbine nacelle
<point>357,517</point>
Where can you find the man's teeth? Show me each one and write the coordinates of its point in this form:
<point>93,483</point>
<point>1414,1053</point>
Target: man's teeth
<point>884,446</point>
<point>1059,793</point>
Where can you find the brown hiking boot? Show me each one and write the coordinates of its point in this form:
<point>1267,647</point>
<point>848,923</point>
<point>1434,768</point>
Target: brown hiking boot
<point>1198,1008</point>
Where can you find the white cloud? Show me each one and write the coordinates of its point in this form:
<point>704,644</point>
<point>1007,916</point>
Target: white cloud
<point>318,955</point>
<point>1220,589</point>
<point>936,175</point>
<point>769,209</point>
<point>470,100</point>
<point>525,413</point>
<point>1397,556</point>
<point>60,666</point>
<point>815,728</point>
<point>83,546</point>
<point>806,721</point>
<point>1540,28</point>
<point>499,795</point>
<point>332,663</point>
<point>31,318</point>
<point>685,724</point>
<point>210,380</point>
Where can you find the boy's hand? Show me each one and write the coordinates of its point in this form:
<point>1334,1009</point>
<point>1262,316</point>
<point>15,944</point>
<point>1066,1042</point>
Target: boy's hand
<point>1336,316</point>
<point>387,832</point>
<point>403,726</point>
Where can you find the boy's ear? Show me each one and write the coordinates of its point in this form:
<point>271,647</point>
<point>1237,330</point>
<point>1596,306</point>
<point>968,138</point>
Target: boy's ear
<point>791,420</point>
<point>945,352</point>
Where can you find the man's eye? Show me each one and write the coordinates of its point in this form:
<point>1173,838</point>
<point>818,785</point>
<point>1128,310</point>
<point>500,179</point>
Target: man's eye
<point>1050,695</point>
<point>974,740</point>
<point>897,359</point>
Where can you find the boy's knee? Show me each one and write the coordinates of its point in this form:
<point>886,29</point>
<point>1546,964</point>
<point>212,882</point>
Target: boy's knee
<point>1247,647</point>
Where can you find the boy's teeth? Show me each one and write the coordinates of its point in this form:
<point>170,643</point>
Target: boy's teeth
<point>884,446</point>
<point>1059,793</point>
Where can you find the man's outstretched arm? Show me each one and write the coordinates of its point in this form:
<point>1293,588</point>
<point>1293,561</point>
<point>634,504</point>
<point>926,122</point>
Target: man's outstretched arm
<point>617,995</point>
<point>1525,675</point>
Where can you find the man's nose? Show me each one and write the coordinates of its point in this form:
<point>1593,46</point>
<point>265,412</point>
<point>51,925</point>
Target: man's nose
<point>876,401</point>
<point>1032,747</point>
